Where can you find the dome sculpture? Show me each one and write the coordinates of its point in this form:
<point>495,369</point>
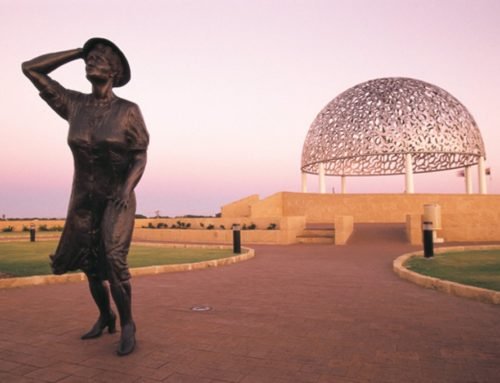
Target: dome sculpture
<point>371,128</point>
<point>393,126</point>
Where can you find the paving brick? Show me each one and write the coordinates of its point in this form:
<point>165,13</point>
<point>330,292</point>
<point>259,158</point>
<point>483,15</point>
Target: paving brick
<point>184,378</point>
<point>23,370</point>
<point>6,377</point>
<point>6,366</point>
<point>112,376</point>
<point>75,379</point>
<point>47,375</point>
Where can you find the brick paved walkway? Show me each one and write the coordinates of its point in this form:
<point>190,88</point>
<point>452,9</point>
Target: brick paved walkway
<point>293,314</point>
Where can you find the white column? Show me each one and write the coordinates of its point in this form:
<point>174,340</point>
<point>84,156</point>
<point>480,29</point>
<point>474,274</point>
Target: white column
<point>409,188</point>
<point>322,184</point>
<point>304,182</point>
<point>342,184</point>
<point>468,179</point>
<point>482,176</point>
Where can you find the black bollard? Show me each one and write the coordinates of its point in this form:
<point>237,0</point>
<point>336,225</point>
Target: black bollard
<point>236,239</point>
<point>428,240</point>
<point>32,233</point>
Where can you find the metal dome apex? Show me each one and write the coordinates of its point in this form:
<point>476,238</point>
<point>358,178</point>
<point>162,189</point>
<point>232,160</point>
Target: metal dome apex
<point>371,127</point>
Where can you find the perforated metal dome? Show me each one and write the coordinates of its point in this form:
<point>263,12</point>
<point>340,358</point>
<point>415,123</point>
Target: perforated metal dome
<point>368,130</point>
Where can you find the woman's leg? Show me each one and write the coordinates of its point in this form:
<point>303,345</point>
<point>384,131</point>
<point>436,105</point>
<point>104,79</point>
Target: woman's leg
<point>122,295</point>
<point>117,227</point>
<point>100,292</point>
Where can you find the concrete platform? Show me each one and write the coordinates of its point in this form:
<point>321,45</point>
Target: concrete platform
<point>301,313</point>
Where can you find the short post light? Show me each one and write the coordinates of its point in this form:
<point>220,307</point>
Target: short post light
<point>427,234</point>
<point>32,232</point>
<point>236,239</point>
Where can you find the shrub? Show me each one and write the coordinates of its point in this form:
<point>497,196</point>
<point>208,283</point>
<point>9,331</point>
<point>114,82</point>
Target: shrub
<point>202,225</point>
<point>52,228</point>
<point>162,225</point>
<point>222,227</point>
<point>272,226</point>
<point>150,225</point>
<point>25,228</point>
<point>180,225</point>
<point>252,226</point>
<point>210,227</point>
<point>8,229</point>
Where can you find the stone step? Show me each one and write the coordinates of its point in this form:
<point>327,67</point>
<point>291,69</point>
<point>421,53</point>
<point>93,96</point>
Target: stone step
<point>320,226</point>
<point>318,232</point>
<point>315,240</point>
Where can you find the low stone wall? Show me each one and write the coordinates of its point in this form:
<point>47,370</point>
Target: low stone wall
<point>344,226</point>
<point>207,236</point>
<point>270,207</point>
<point>414,228</point>
<point>386,208</point>
<point>465,217</point>
<point>468,227</point>
<point>240,208</point>
<point>285,230</point>
<point>203,223</point>
<point>290,227</point>
<point>196,223</point>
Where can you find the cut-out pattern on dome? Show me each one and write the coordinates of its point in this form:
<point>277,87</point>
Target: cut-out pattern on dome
<point>368,130</point>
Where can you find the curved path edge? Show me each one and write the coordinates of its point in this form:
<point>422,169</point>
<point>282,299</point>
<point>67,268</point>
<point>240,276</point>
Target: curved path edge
<point>38,280</point>
<point>453,288</point>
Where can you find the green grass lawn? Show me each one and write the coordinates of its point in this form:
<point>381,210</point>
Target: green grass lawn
<point>475,268</point>
<point>31,258</point>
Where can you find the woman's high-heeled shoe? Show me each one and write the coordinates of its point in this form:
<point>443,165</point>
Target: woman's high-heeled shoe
<point>127,340</point>
<point>100,325</point>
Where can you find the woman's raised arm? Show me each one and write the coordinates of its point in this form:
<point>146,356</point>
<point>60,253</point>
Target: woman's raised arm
<point>37,69</point>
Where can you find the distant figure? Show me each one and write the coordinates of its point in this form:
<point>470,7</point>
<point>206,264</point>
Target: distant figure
<point>108,139</point>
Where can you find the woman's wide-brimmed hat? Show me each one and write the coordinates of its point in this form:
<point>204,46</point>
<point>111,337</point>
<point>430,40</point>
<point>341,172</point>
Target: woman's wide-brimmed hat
<point>124,76</point>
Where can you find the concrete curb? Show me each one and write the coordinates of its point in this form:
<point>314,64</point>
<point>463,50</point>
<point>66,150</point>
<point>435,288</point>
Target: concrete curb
<point>453,288</point>
<point>39,280</point>
<point>27,239</point>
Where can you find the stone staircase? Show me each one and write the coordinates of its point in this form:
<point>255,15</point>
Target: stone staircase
<point>369,233</point>
<point>363,234</point>
<point>318,234</point>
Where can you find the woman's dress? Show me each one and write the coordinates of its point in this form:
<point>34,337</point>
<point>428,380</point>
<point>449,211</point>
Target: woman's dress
<point>104,137</point>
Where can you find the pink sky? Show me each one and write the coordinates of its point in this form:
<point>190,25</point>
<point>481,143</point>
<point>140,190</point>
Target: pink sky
<point>229,89</point>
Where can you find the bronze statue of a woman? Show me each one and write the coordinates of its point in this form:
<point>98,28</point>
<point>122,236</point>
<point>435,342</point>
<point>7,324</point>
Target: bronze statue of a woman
<point>108,139</point>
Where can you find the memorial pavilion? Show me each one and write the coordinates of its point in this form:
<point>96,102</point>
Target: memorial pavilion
<point>392,126</point>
